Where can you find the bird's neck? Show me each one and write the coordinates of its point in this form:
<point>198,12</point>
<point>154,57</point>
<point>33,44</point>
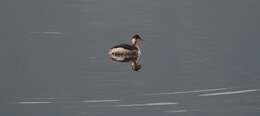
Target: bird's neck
<point>137,45</point>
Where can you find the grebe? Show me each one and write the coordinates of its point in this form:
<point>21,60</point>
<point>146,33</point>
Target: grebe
<point>126,49</point>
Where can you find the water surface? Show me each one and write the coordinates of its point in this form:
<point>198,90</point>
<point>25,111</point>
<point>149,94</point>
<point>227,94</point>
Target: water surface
<point>198,58</point>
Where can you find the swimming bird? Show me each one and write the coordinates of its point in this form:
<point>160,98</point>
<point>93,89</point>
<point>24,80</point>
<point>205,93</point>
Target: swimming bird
<point>126,49</point>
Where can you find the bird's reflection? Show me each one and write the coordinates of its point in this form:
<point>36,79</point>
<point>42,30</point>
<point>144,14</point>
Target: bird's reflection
<point>132,59</point>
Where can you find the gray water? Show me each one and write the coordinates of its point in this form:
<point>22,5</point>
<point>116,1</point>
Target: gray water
<point>198,58</point>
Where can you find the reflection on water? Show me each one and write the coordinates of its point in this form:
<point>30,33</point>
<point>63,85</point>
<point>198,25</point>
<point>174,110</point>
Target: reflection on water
<point>148,104</point>
<point>132,59</point>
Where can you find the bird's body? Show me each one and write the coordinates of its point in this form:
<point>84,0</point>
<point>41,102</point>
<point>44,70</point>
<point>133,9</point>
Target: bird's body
<point>126,49</point>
